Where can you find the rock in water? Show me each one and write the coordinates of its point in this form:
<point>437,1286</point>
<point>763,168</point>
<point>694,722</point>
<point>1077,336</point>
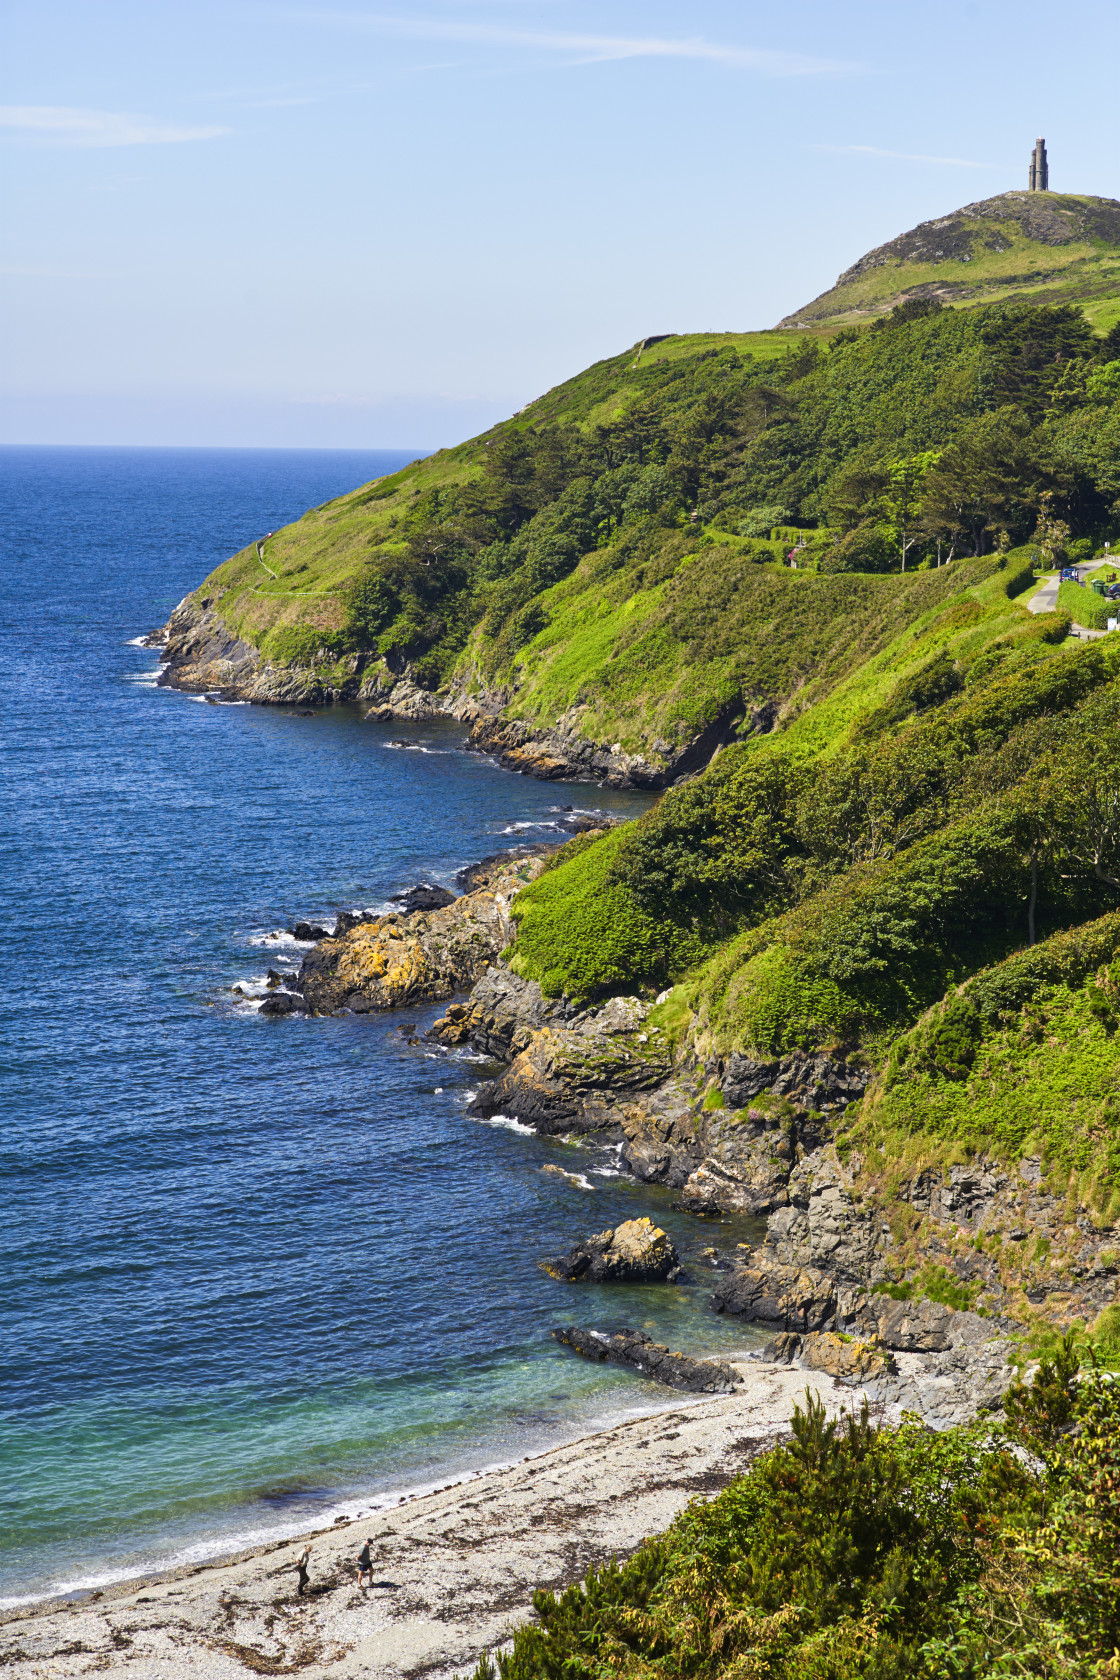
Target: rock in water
<point>308,932</point>
<point>423,897</point>
<point>631,1347</point>
<point>284,1003</point>
<point>636,1252</point>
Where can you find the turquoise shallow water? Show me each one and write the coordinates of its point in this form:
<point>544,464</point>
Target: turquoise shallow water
<point>256,1273</point>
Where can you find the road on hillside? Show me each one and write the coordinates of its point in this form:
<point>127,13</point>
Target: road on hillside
<point>1047,599</point>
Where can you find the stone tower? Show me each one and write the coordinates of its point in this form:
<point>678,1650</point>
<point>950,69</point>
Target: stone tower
<point>1039,178</point>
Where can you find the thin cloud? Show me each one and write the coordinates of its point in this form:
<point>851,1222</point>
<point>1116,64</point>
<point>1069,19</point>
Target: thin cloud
<point>905,157</point>
<point>66,125</point>
<point>594,49</point>
<point>14,269</point>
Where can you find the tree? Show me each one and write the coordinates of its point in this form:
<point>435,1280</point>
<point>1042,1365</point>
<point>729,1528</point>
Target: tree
<point>987,478</point>
<point>1050,533</point>
<point>902,499</point>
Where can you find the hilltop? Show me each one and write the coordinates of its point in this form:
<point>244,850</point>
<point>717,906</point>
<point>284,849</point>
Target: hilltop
<point>1036,246</point>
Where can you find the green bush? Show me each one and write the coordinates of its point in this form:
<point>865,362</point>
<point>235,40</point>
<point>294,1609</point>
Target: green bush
<point>868,548</point>
<point>1085,606</point>
<point>857,1553</point>
<point>580,934</point>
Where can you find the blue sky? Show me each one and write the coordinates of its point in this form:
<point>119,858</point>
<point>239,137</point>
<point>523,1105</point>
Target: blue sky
<point>391,224</point>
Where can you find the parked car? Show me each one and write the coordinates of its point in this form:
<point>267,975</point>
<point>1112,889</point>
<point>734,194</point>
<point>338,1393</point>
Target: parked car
<point>1113,592</point>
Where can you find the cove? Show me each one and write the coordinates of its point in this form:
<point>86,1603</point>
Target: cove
<point>258,1273</point>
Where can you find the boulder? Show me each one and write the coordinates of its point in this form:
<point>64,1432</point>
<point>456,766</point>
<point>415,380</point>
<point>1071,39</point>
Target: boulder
<point>652,1359</point>
<point>637,1251</point>
<point>283,1003</point>
<point>782,1297</point>
<point>423,897</point>
<point>841,1357</point>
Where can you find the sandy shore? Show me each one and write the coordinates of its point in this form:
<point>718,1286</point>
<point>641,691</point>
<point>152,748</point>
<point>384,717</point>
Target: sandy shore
<point>454,1570</point>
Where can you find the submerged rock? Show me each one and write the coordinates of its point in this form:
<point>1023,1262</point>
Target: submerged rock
<point>652,1359</point>
<point>637,1251</point>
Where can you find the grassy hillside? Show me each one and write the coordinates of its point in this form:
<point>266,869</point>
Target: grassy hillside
<point>1037,247</point>
<point>615,554</point>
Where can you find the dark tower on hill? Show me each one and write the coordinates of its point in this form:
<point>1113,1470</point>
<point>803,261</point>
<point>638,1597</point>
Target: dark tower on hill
<point>1039,178</point>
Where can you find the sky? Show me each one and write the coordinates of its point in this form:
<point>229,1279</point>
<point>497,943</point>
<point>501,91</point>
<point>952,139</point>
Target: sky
<point>241,222</point>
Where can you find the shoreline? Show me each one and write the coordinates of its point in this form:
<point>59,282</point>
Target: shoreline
<point>188,1557</point>
<point>455,1567</point>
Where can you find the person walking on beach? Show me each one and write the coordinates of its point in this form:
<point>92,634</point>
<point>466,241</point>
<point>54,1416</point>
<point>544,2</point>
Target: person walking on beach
<point>365,1565</point>
<point>301,1563</point>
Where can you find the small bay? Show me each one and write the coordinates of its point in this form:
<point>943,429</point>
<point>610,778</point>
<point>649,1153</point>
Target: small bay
<point>256,1273</point>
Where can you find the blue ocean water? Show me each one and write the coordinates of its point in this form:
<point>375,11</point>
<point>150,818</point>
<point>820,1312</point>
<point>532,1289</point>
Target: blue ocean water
<point>256,1273</point>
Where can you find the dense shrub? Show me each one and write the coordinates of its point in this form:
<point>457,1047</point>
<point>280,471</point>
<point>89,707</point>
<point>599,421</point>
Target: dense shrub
<point>1085,606</point>
<point>580,934</point>
<point>863,1553</point>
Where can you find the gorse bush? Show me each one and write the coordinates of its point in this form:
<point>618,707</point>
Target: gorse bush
<point>863,1553</point>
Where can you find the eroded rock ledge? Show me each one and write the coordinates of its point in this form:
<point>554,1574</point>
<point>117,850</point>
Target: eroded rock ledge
<point>419,956</point>
<point>638,1351</point>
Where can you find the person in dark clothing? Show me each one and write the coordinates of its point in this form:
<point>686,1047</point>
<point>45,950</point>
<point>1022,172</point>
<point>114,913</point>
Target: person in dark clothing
<point>365,1565</point>
<point>301,1563</point>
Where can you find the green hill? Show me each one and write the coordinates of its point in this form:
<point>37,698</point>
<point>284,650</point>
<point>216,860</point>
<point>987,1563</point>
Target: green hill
<point>897,759</point>
<point>889,837</point>
<point>1040,247</point>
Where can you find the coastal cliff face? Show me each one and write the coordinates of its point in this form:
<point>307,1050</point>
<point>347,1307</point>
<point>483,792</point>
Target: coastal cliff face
<point>202,656</point>
<point>838,1237</point>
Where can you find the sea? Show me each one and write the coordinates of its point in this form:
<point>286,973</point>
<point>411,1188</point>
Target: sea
<point>258,1274</point>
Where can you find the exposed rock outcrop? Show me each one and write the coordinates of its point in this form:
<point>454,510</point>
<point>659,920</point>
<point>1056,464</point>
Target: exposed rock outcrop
<point>637,1251</point>
<point>652,1359</point>
<point>424,896</point>
<point>573,1077</point>
<point>402,959</point>
<point>203,656</point>
<point>562,753</point>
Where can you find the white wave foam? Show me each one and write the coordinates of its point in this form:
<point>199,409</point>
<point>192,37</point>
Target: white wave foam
<point>577,1179</point>
<point>278,940</point>
<point>510,1124</point>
